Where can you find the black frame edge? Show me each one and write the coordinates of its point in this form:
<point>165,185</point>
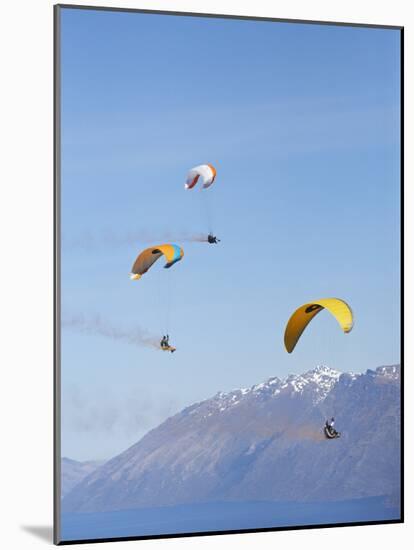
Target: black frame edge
<point>402,276</point>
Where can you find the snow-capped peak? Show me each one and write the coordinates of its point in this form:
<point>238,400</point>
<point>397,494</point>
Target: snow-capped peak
<point>317,383</point>
<point>314,386</point>
<point>392,371</point>
<point>324,370</point>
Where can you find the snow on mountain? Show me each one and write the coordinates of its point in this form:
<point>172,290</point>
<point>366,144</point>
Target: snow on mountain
<point>262,443</point>
<point>316,383</point>
<point>392,372</point>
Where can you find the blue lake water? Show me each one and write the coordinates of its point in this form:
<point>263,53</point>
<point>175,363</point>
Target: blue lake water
<point>221,516</point>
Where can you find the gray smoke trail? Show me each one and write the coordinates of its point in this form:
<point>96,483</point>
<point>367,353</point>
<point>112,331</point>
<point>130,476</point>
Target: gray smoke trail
<point>92,241</point>
<point>96,325</point>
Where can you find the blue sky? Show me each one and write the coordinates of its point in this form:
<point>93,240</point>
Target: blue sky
<point>302,124</point>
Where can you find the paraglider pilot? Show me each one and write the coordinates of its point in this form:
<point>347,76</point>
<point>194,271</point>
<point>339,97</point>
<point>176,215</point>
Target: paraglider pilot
<point>212,239</point>
<point>329,427</point>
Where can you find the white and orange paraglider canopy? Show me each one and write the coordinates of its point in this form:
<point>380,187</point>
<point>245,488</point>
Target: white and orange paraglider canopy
<point>206,173</point>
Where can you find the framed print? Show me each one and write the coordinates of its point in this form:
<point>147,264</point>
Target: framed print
<point>228,274</point>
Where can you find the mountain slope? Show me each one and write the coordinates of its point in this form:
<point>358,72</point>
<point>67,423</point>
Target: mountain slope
<point>262,443</point>
<point>74,471</point>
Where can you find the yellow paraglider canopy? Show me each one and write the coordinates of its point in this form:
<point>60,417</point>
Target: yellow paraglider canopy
<point>304,314</point>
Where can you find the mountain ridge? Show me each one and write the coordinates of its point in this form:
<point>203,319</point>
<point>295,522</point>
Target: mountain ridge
<point>261,443</point>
